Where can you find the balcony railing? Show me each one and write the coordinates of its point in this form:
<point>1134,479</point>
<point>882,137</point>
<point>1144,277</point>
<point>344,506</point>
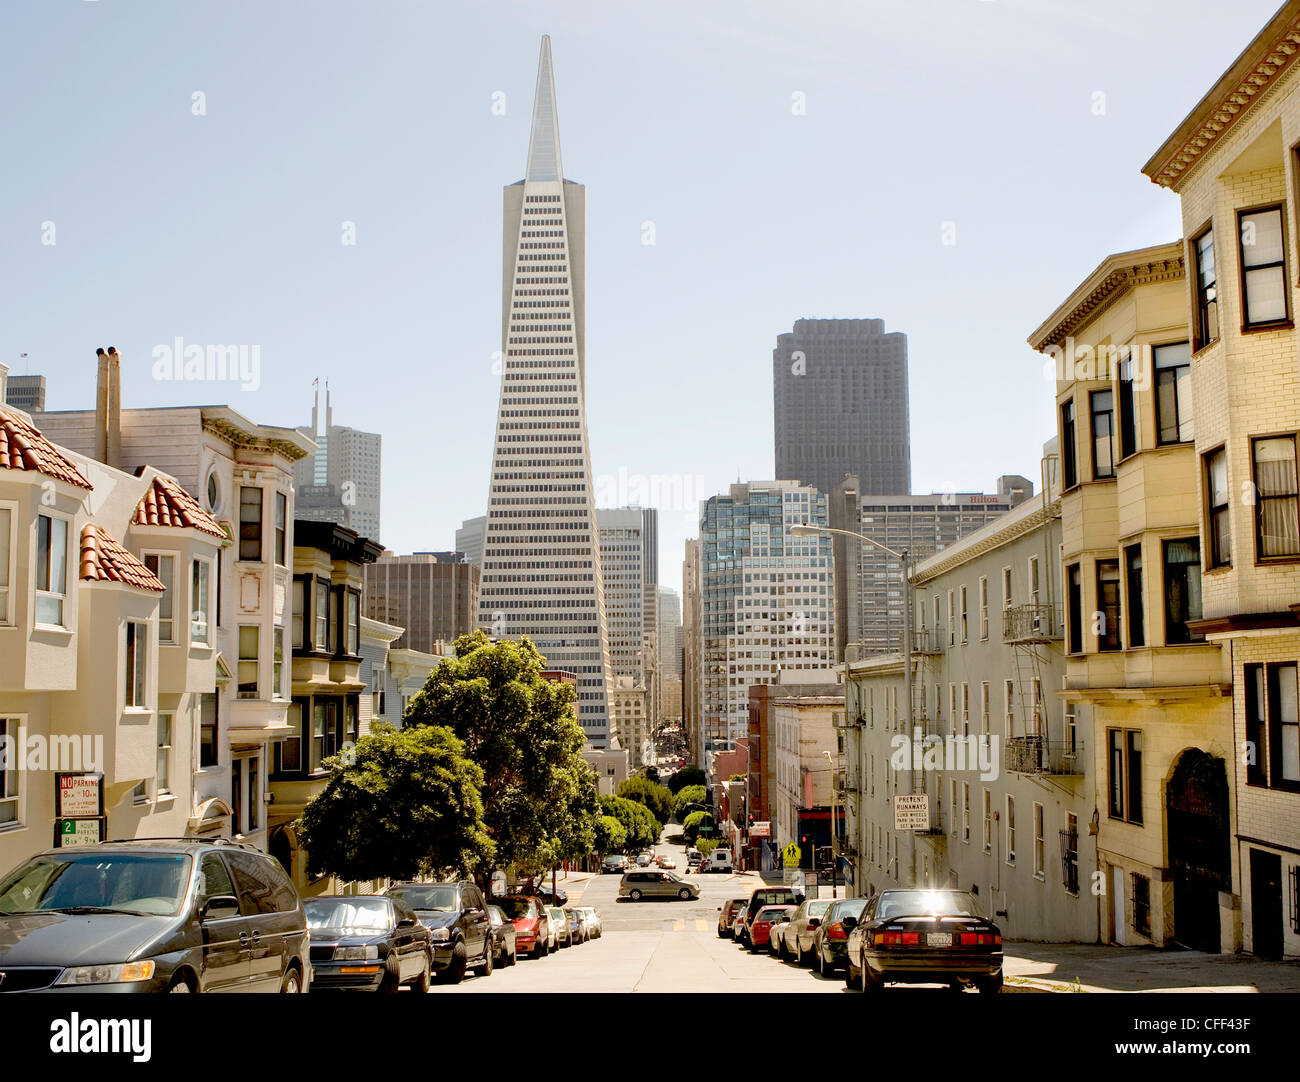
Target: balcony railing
<point>1035,755</point>
<point>1031,623</point>
<point>929,640</point>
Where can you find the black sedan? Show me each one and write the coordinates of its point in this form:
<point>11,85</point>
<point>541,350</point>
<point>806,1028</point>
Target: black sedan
<point>831,940</point>
<point>457,918</point>
<point>504,937</point>
<point>368,943</point>
<point>924,937</point>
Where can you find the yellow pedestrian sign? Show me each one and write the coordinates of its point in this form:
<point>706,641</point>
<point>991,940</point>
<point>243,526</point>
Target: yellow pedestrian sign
<point>791,854</point>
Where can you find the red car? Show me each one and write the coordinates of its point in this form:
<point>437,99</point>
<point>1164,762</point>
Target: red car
<point>528,915</point>
<point>761,929</point>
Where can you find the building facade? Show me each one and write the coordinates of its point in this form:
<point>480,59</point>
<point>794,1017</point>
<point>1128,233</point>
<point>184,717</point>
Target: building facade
<point>692,659</point>
<point>541,551</point>
<point>341,480</point>
<point>841,406</point>
<point>469,539</point>
<point>432,596</point>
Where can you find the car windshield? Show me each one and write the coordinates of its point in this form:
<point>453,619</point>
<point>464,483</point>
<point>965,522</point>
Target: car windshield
<point>771,913</point>
<point>919,903</point>
<point>818,908</point>
<point>515,908</point>
<point>494,915</point>
<point>152,884</point>
<point>438,896</point>
<point>850,907</point>
<point>348,915</point>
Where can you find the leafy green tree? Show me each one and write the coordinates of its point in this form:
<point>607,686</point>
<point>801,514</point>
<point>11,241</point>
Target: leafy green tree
<point>523,731</point>
<point>578,796</point>
<point>695,823</point>
<point>652,773</point>
<point>639,826</point>
<point>692,794</point>
<point>405,803</point>
<point>610,837</point>
<point>658,798</point>
<point>706,845</point>
<point>688,775</point>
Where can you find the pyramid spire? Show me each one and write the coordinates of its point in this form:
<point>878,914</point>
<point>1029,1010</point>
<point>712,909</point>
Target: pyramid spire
<point>544,146</point>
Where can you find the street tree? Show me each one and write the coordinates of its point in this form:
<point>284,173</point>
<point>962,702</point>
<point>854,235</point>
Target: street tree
<point>404,803</point>
<point>658,798</point>
<point>688,775</point>
<point>609,834</point>
<point>692,794</point>
<point>696,823</point>
<point>639,826</point>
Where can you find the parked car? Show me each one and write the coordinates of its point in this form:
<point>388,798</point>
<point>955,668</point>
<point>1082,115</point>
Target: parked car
<point>557,897</point>
<point>367,942</point>
<point>152,916</point>
<point>651,884</point>
<point>760,897</point>
<point>693,856</point>
<point>615,863</point>
<point>533,934</point>
<point>577,934</point>
<point>719,861</point>
<point>644,860</point>
<point>830,942</point>
<point>666,862</point>
<point>797,939</point>
<point>505,939</point>
<point>595,928</point>
<point>457,919</point>
<point>727,916</point>
<point>760,929</point>
<point>924,937</point>
<point>560,922</point>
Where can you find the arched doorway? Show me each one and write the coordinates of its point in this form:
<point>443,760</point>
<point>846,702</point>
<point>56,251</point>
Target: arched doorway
<point>1200,855</point>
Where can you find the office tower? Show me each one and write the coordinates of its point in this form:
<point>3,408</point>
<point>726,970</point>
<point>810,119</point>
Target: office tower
<point>341,481</point>
<point>692,700</point>
<point>26,393</point>
<point>622,562</point>
<point>670,631</point>
<point>767,599</point>
<point>840,397</point>
<point>469,539</point>
<point>433,596</point>
<point>541,552</point>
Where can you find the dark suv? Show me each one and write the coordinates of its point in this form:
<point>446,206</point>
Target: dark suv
<point>152,915</point>
<point>457,918</point>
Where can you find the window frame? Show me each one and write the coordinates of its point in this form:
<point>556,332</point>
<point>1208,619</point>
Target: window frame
<point>1123,789</point>
<point>1069,443</point>
<point>1180,406</point>
<point>1134,602</point>
<point>1126,415</point>
<point>1074,608</point>
<point>1260,558</point>
<point>1202,301</point>
<point>8,549</point>
<point>1009,856</point>
<point>12,789</point>
<point>251,530</point>
<point>245,689</point>
<point>984,607</point>
<point>1192,637</point>
<point>201,723</point>
<point>163,752</point>
<point>43,570</point>
<point>1111,638</point>
<point>1094,415</point>
<point>135,661</point>
<point>1247,327</point>
<point>168,595</point>
<point>1217,556</point>
<point>201,569</point>
<point>280,527</point>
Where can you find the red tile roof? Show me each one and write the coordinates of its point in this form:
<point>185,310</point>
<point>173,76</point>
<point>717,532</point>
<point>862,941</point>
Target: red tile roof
<point>22,447</point>
<point>167,504</point>
<point>103,559</point>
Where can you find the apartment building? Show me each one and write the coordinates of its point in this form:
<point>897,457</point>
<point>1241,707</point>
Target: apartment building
<point>431,596</point>
<point>629,714</point>
<point>1233,163</point>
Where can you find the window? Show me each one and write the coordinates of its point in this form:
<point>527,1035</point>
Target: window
<point>6,546</point>
<point>200,572</point>
<point>1070,854</point>
<point>277,662</point>
<point>1074,601</point>
<point>964,625</point>
<point>281,506</point>
<point>1069,468</point>
<point>321,615</point>
<point>51,569</point>
<point>953,814</point>
<point>1006,587</point>
<point>965,811</point>
<point>249,639</point>
<point>1216,508</point>
<point>208,750</point>
<point>237,798</point>
<point>1182,560</point>
<point>965,709</point>
<point>1136,613</point>
<point>1173,386</point>
<point>1103,434</point>
<point>1263,267</point>
<point>1108,614</point>
<point>254,796</point>
<point>10,775</point>
<point>1125,774</point>
<point>163,768</point>
<point>984,607</point>
<point>1126,408</point>
<point>354,623</point>
<point>335,645</point>
<point>984,708</point>
<point>1273,725</point>
<point>952,621</point>
<point>1011,829</point>
<point>1033,580</point>
<point>250,522</point>
<point>1009,701</point>
<point>137,653</point>
<point>1040,862</point>
<point>1207,290</point>
<point>1141,891</point>
<point>288,752</point>
<point>164,570</point>
<point>1277,507</point>
<point>988,821</point>
<point>299,615</point>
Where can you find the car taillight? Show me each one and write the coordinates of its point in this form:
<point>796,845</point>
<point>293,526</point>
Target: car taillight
<point>887,939</point>
<point>981,939</point>
<point>836,931</point>
<point>911,939</point>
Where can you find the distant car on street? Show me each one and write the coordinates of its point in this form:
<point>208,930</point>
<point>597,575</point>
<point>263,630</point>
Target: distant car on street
<point>644,860</point>
<point>830,942</point>
<point>367,942</point>
<point>595,927</point>
<point>665,861</point>
<point>637,885</point>
<point>533,935</point>
<point>616,863</point>
<point>797,939</point>
<point>727,916</point>
<point>505,939</point>
<point>760,929</point>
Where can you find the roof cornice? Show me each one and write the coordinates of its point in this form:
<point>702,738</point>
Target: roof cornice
<point>973,545</point>
<point>1249,79</point>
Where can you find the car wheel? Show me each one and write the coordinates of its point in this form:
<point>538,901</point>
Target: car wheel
<point>485,970</point>
<point>291,982</point>
<point>635,895</point>
<point>684,894</point>
<point>422,982</point>
<point>782,953</point>
<point>989,985</point>
<point>870,983</point>
<point>850,980</point>
<point>818,964</point>
<point>798,954</point>
<point>459,963</point>
<point>180,983</point>
<point>512,957</point>
<point>392,974</point>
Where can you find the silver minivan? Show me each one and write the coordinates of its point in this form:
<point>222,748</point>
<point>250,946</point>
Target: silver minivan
<point>654,883</point>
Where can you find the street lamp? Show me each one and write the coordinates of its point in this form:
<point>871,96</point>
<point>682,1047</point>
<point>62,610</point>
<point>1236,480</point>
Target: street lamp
<point>830,759</point>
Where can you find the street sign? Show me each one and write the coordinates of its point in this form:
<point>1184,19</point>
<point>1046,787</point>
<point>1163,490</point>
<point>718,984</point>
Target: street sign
<point>498,882</point>
<point>791,855</point>
<point>79,796</point>
<point>760,830</point>
<point>71,833</point>
<point>912,811</point>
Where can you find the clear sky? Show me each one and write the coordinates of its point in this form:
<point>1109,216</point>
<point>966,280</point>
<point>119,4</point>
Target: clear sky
<point>1023,123</point>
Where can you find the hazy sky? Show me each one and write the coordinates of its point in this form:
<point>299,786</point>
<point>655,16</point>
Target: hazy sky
<point>1023,123</point>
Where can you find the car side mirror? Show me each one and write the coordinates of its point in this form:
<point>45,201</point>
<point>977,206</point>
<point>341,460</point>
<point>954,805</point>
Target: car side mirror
<point>407,922</point>
<point>849,923</point>
<point>813,922</point>
<point>218,906</point>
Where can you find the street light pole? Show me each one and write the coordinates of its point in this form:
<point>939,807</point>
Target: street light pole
<point>834,823</point>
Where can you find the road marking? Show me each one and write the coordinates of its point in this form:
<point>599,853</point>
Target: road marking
<point>701,926</point>
<point>679,926</point>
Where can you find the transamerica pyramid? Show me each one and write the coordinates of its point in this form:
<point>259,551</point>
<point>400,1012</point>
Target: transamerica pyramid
<point>541,573</point>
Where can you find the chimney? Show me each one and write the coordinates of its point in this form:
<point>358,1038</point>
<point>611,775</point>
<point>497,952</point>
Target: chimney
<point>108,408</point>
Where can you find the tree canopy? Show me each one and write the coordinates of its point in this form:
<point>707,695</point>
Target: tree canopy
<point>406,803</point>
<point>640,828</point>
<point>688,775</point>
<point>692,794</point>
<point>658,798</point>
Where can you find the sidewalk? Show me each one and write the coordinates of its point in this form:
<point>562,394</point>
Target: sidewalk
<point>1074,967</point>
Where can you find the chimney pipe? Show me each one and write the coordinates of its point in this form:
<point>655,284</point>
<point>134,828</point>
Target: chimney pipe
<point>108,408</point>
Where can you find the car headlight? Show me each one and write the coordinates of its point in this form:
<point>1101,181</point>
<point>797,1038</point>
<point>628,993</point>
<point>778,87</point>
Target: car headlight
<point>355,954</point>
<point>440,935</point>
<point>126,973</point>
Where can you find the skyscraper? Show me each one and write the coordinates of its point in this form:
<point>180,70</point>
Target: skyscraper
<point>541,550</point>
<point>840,405</point>
<point>340,482</point>
<point>433,596</point>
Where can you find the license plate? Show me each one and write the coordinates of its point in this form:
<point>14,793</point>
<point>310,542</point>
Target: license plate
<point>938,939</point>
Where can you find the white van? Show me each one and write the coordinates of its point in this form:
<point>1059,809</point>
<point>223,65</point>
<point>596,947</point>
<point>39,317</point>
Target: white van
<point>719,860</point>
